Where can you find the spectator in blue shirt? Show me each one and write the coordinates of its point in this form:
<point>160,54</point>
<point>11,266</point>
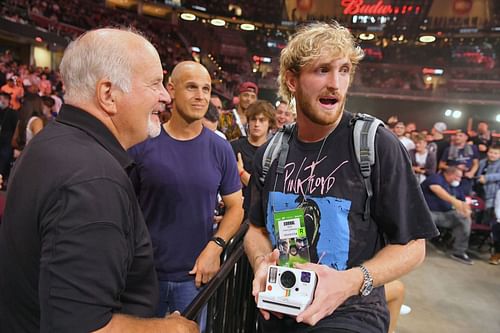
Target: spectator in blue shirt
<point>446,200</point>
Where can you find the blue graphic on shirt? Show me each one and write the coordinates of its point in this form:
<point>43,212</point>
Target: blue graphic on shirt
<point>327,218</point>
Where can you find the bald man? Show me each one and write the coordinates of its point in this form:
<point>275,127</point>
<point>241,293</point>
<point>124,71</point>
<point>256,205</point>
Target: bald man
<point>179,175</point>
<point>75,252</point>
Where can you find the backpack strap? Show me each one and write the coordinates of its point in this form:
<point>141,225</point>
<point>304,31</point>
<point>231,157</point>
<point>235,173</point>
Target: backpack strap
<point>365,128</point>
<point>277,148</point>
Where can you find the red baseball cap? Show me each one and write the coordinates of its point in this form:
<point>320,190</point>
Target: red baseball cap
<point>249,87</point>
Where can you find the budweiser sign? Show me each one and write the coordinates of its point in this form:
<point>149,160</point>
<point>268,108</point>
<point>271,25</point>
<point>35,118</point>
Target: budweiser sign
<point>359,7</point>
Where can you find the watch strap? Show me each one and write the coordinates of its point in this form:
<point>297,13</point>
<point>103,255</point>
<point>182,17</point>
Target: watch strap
<point>367,286</point>
<point>219,241</point>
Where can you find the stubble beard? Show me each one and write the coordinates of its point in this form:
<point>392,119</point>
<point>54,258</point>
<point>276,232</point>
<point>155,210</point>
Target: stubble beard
<point>319,117</point>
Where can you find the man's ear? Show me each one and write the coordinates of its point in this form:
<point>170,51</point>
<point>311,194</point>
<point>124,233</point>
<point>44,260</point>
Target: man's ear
<point>171,89</point>
<point>106,96</point>
<point>291,81</point>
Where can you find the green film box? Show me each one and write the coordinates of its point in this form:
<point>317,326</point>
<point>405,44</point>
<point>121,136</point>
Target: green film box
<point>291,238</point>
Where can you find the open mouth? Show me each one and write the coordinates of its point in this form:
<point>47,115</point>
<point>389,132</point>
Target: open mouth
<point>328,101</point>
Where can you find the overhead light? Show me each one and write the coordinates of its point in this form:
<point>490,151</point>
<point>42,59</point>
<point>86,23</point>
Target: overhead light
<point>448,113</point>
<point>456,114</point>
<point>188,17</point>
<point>218,22</point>
<point>498,118</point>
<point>200,8</point>
<point>426,39</point>
<point>247,27</point>
<point>364,36</point>
<point>195,49</point>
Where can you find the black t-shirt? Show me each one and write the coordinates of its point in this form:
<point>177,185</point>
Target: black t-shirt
<point>74,248</point>
<point>327,183</point>
<point>441,145</point>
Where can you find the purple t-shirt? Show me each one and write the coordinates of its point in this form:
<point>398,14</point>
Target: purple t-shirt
<point>177,184</point>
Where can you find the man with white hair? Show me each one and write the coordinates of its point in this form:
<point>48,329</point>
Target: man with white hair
<point>75,252</point>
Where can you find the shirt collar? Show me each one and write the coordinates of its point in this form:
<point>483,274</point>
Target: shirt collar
<point>76,117</point>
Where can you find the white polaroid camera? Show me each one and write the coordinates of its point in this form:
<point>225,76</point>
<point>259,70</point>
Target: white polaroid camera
<point>288,290</point>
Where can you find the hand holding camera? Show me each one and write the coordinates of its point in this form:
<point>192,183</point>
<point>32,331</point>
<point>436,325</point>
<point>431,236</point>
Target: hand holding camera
<point>288,290</point>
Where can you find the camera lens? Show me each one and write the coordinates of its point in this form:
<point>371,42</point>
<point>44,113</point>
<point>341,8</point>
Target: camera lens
<point>287,279</point>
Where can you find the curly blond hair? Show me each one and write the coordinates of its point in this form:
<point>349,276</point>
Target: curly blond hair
<point>309,43</point>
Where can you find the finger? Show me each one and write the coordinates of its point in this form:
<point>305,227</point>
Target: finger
<point>239,157</point>
<point>197,280</point>
<point>307,266</point>
<point>277,315</point>
<point>257,287</point>
<point>313,309</point>
<point>275,255</point>
<point>265,314</point>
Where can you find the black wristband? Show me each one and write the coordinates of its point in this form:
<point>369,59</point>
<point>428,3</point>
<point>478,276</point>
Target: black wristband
<point>219,241</point>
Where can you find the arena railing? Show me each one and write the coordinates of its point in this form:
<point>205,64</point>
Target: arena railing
<point>230,305</point>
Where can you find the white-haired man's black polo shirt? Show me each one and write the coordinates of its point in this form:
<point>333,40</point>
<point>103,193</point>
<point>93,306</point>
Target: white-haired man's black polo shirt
<point>74,248</point>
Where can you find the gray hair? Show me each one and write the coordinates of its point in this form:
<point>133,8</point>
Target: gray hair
<point>95,55</point>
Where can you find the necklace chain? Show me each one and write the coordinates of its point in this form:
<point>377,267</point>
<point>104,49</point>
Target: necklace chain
<point>323,144</point>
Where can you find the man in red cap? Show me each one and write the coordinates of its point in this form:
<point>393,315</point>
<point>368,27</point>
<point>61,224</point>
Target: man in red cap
<point>233,123</point>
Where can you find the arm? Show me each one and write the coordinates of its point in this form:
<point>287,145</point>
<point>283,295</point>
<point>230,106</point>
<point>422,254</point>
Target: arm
<point>98,233</point>
<point>257,245</point>
<point>334,287</point>
<point>208,262</point>
<point>491,177</point>
<point>14,140</point>
<point>244,175</point>
<point>36,125</point>
<point>170,324</point>
<point>473,169</point>
<point>443,165</point>
<point>460,206</point>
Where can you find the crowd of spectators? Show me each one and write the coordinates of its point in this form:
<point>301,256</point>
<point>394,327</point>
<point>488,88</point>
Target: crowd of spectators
<point>90,14</point>
<point>452,170</point>
<point>263,11</point>
<point>37,92</point>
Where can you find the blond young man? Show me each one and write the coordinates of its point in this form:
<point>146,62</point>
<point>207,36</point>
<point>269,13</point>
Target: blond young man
<point>353,257</point>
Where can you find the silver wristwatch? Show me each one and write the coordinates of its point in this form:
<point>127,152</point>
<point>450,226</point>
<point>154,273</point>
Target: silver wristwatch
<point>367,286</point>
